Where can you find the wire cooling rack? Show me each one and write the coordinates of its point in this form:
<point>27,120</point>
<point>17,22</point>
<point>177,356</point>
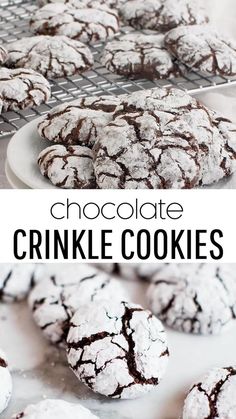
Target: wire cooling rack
<point>14,24</point>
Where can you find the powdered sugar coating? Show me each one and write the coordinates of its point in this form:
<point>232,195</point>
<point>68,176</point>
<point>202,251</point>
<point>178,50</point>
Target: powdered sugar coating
<point>203,49</point>
<point>5,382</point>
<point>86,24</point>
<point>139,56</point>
<point>132,271</point>
<point>3,55</point>
<point>68,167</point>
<point>78,122</point>
<point>162,15</point>
<point>213,396</point>
<point>57,56</point>
<point>56,298</point>
<point>22,88</point>
<point>55,409</point>
<point>195,298</point>
<point>15,281</point>
<point>117,349</point>
<point>164,138</point>
<point>77,3</point>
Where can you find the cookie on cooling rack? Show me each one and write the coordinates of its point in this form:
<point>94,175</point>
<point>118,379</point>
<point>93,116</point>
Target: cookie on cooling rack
<point>3,55</point>
<point>22,88</point>
<point>117,349</point>
<point>86,24</point>
<point>57,56</point>
<point>162,15</point>
<point>5,382</point>
<point>68,167</point>
<point>140,56</point>
<point>195,298</point>
<point>202,48</point>
<point>163,139</point>
<point>213,396</point>
<point>78,122</point>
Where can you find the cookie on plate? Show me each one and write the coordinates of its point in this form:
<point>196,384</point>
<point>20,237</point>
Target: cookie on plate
<point>68,167</point>
<point>78,122</point>
<point>202,48</point>
<point>85,24</point>
<point>90,3</point>
<point>162,15</point>
<point>195,298</point>
<point>50,409</point>
<point>117,349</point>
<point>163,139</point>
<point>15,281</point>
<point>5,382</point>
<point>3,55</point>
<point>22,88</point>
<point>63,290</point>
<point>57,56</point>
<point>213,396</point>
<point>140,56</point>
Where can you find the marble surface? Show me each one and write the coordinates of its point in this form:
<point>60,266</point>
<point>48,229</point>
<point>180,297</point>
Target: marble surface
<point>40,371</point>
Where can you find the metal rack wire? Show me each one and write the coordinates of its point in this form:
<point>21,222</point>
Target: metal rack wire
<point>14,18</point>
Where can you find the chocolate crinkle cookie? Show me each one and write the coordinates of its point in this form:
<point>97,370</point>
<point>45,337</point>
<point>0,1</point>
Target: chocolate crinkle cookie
<point>213,397</point>
<point>55,409</point>
<point>16,281</point>
<point>162,15</point>
<point>5,382</point>
<point>117,349</point>
<point>162,139</point>
<point>57,56</point>
<point>86,24</point>
<point>78,122</point>
<point>22,88</point>
<point>3,55</point>
<point>63,290</point>
<point>90,3</point>
<point>204,49</point>
<point>140,56</point>
<point>195,298</point>
<point>132,271</point>
<point>68,167</point>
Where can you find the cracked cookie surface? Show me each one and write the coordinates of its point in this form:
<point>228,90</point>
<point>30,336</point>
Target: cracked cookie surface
<point>57,56</point>
<point>132,271</point>
<point>162,15</point>
<point>22,88</point>
<point>203,49</point>
<point>15,281</point>
<point>55,409</point>
<point>68,167</point>
<point>5,382</point>
<point>117,349</point>
<point>162,139</point>
<point>140,56</point>
<point>77,3</point>
<point>3,55</point>
<point>78,122</point>
<point>63,290</point>
<point>86,24</point>
<point>213,396</point>
<point>195,298</point>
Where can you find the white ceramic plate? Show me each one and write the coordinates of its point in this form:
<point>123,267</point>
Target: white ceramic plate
<point>23,151</point>
<point>12,179</point>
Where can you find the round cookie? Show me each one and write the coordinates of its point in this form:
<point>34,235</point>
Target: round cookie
<point>77,3</point>
<point>15,281</point>
<point>86,24</point>
<point>68,167</point>
<point>213,396</point>
<point>78,122</point>
<point>5,382</point>
<point>63,290</point>
<point>22,88</point>
<point>57,56</point>
<point>162,15</point>
<point>55,409</point>
<point>140,56</point>
<point>163,139</point>
<point>203,49</point>
<point>194,298</point>
<point>117,349</point>
<point>3,55</point>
